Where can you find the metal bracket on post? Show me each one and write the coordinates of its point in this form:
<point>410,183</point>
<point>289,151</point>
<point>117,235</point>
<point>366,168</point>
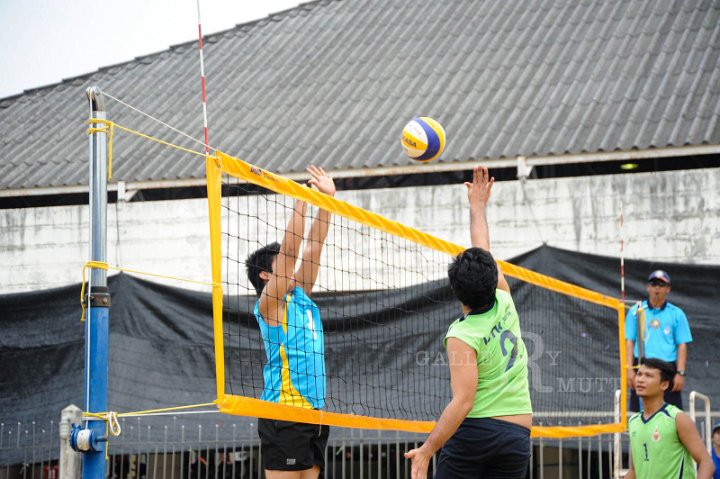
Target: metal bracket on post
<point>85,440</point>
<point>99,298</point>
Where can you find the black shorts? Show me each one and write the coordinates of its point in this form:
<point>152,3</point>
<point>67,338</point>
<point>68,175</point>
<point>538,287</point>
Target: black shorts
<point>487,448</point>
<point>292,446</point>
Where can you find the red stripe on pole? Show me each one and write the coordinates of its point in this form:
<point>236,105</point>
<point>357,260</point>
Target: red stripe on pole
<point>202,81</point>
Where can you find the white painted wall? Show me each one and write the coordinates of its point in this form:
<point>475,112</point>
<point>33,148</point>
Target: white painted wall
<point>669,216</point>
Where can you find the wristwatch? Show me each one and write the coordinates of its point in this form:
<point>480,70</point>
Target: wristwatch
<point>681,372</point>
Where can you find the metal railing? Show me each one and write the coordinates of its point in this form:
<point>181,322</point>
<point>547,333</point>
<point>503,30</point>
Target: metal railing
<point>694,396</point>
<point>151,452</point>
<point>181,449</point>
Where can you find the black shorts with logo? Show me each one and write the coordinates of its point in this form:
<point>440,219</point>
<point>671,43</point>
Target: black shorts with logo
<point>292,446</point>
<point>485,448</point>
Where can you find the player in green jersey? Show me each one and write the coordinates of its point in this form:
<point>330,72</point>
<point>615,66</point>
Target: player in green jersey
<point>485,429</point>
<point>663,439</point>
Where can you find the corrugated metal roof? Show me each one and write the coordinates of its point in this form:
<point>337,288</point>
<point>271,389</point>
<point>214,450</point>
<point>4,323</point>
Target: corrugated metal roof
<point>333,82</point>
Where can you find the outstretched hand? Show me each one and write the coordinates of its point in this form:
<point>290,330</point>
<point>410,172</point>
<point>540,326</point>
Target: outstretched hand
<point>420,461</point>
<point>479,190</point>
<point>321,180</point>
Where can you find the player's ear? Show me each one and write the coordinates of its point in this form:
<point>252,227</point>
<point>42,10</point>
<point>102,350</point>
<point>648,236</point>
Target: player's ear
<point>665,385</point>
<point>264,275</point>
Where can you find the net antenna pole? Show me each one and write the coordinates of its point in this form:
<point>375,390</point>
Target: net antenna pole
<point>622,255</point>
<point>202,81</point>
<point>92,437</point>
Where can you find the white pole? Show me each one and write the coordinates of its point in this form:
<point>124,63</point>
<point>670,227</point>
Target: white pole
<point>69,459</point>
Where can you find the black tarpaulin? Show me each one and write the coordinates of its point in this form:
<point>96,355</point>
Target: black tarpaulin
<point>161,346</point>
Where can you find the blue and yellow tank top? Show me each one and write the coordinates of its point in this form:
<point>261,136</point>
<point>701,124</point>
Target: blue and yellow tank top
<point>295,350</point>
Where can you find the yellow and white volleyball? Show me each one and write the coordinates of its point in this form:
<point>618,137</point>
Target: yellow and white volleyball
<point>423,139</point>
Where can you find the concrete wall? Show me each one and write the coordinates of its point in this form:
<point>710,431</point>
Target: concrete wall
<point>669,216</point>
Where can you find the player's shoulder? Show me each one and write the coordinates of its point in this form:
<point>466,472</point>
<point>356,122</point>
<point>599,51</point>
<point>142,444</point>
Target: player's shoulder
<point>672,411</point>
<point>674,309</point>
<point>455,324</point>
<point>633,419</point>
<point>299,296</point>
<point>504,298</point>
<point>501,293</point>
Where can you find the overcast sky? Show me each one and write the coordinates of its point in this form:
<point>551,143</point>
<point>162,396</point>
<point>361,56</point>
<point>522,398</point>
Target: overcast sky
<point>45,41</point>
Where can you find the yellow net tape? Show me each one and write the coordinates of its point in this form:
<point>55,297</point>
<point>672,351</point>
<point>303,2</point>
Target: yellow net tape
<point>257,176</point>
<point>223,163</point>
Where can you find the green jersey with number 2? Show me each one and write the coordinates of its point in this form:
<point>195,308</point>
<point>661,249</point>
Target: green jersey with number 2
<point>494,334</point>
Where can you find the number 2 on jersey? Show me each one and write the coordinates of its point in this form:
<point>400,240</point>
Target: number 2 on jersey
<point>507,334</point>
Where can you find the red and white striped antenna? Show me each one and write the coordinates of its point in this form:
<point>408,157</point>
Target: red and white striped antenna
<point>622,255</point>
<point>202,81</point>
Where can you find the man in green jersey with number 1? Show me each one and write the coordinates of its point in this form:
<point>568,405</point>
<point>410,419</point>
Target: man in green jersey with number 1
<point>663,439</point>
<point>485,429</point>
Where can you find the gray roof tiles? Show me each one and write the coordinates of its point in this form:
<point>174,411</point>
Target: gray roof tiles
<point>333,82</point>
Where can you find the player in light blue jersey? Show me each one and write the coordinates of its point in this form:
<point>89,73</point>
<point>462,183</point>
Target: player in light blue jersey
<point>292,334</point>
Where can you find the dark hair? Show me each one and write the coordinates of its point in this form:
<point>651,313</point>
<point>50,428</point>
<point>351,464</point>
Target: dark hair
<point>667,370</point>
<point>261,260</point>
<point>473,277</point>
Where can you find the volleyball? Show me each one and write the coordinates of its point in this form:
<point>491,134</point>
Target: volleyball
<point>423,139</point>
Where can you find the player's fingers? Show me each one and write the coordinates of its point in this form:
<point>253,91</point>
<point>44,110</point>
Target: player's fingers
<point>322,170</point>
<point>312,170</point>
<point>468,185</point>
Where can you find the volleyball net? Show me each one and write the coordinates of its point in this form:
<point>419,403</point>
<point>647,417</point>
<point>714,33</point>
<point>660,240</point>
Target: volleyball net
<point>385,304</point>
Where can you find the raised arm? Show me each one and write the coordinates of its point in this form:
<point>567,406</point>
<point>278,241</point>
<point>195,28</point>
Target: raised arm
<point>307,272</point>
<point>271,298</point>
<point>478,195</point>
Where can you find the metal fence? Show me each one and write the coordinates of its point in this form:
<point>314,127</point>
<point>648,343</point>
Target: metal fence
<point>183,449</point>
<point>350,454</point>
